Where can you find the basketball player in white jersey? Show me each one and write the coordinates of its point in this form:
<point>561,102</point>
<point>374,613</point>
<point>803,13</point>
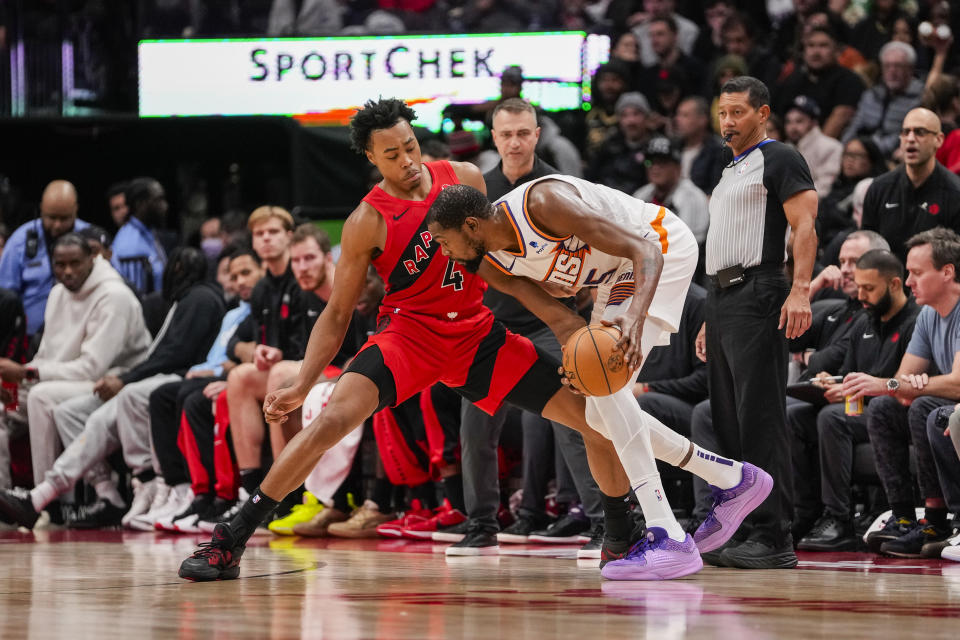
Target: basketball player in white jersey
<point>560,234</point>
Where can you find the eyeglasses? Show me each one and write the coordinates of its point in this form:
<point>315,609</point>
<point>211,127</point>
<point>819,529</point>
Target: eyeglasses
<point>919,132</point>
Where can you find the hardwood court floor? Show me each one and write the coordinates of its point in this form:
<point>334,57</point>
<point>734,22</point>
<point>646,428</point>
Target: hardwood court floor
<point>116,584</point>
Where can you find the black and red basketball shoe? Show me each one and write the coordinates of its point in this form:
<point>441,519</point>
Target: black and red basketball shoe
<point>218,559</point>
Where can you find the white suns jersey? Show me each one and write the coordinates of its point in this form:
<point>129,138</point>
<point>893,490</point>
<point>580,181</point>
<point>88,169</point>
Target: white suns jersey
<point>571,262</point>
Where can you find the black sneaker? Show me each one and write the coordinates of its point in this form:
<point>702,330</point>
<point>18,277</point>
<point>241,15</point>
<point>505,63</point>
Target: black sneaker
<point>16,507</point>
<point>218,559</point>
<point>829,534</point>
<point>892,529</point>
<point>754,554</point>
<point>454,533</point>
<point>568,529</point>
<point>195,511</point>
<point>99,515</point>
<point>612,549</point>
<point>594,547</point>
<point>910,545</point>
<point>477,541</point>
<point>520,531</point>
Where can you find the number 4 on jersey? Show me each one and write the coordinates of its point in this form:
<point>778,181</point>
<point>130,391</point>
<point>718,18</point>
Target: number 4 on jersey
<point>452,277</point>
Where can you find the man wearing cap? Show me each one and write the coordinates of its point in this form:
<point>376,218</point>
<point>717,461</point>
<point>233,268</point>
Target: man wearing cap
<point>620,162</point>
<point>821,152</point>
<point>668,188</point>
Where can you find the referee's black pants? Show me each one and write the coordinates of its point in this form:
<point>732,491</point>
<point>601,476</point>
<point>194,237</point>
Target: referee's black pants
<point>747,368</point>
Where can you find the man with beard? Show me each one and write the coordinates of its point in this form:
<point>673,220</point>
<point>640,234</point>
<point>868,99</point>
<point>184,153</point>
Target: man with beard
<point>875,345</point>
<point>926,380</point>
<point>137,253</point>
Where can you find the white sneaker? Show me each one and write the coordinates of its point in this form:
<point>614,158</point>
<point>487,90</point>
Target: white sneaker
<point>143,494</point>
<point>952,550</point>
<point>173,504</point>
<point>207,526</point>
<point>165,523</point>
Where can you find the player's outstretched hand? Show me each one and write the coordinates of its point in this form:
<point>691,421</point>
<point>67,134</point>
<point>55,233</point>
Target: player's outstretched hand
<point>279,403</point>
<point>631,330</point>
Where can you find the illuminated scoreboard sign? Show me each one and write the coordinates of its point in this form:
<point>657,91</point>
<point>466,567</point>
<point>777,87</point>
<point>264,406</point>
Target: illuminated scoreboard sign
<point>325,79</point>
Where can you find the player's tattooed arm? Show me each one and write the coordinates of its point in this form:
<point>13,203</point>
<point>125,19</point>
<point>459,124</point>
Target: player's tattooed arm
<point>562,320</point>
<point>558,208</point>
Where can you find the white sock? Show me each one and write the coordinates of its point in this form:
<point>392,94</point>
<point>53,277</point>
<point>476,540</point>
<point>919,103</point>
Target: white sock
<point>42,495</point>
<point>619,414</point>
<point>673,448</point>
<point>108,491</point>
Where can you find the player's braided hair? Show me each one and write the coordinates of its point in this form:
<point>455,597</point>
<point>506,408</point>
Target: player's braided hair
<point>456,203</point>
<point>382,114</point>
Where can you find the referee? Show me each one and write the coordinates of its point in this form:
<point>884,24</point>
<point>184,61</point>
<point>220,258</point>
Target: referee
<point>765,187</point>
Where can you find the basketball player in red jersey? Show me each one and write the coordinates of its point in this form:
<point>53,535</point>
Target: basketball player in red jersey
<point>432,328</point>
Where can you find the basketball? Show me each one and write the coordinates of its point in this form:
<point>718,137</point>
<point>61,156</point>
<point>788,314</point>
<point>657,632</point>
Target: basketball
<point>593,362</point>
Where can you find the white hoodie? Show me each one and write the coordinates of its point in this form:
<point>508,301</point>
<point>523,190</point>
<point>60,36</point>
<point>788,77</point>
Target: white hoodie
<point>99,328</point>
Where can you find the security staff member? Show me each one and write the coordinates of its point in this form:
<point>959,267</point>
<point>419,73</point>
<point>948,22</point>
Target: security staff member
<point>920,194</point>
<point>25,264</point>
<point>764,188</point>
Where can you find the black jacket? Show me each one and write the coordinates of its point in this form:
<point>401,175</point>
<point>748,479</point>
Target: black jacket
<point>895,210</point>
<point>675,369</point>
<point>832,321</point>
<point>193,328</point>
<point>276,317</point>
<point>352,341</point>
<point>877,349</point>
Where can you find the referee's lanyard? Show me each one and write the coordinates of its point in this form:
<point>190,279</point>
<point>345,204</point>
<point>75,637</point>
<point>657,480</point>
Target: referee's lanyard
<point>750,150</point>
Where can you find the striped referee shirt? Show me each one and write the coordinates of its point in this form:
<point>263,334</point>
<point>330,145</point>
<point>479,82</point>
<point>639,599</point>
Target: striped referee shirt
<point>748,226</point>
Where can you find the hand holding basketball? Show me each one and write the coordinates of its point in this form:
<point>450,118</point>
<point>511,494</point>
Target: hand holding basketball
<point>593,363</point>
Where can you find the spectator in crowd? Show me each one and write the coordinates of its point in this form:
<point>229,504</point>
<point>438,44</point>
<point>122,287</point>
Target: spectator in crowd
<point>25,264</point>
<point>620,161</point>
<point>740,38</point>
<point>94,325</point>
<point>169,502</point>
<point>94,426</point>
<point>610,81</point>
<point>920,194</point>
<point>493,16</point>
<point>268,344</point>
<point>117,202</point>
<point>687,31</point>
<point>774,128</point>
<point>186,463</point>
<point>882,107</point>
<point>788,33</point>
<point>834,88</point>
<point>860,159</point>
<point>137,252</point>
<point>670,61</point>
<point>99,241</point>
<point>625,49</point>
<point>432,150</point>
<point>4,235</point>
<point>821,152</point>
<point>701,151</point>
<point>669,189</point>
<point>875,347</point>
<point>709,44</point>
<point>305,18</point>
<point>875,29</point>
<point>926,380</point>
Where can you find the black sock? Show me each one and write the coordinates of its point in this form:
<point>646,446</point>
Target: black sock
<point>616,515</point>
<point>251,515</point>
<point>453,490</point>
<point>250,479</point>
<point>903,511</point>
<point>383,495</point>
<point>937,516</point>
<point>426,493</point>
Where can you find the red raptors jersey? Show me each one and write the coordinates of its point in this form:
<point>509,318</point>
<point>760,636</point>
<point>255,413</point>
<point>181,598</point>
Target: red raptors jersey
<point>418,277</point>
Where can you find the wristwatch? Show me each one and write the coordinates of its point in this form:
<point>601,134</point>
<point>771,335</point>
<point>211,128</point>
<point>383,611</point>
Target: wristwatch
<point>892,385</point>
